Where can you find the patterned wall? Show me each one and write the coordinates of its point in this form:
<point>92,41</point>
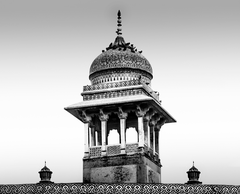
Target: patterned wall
<point>66,188</point>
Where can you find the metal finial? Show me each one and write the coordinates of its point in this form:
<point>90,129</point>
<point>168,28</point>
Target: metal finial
<point>193,163</point>
<point>45,163</point>
<point>119,23</point>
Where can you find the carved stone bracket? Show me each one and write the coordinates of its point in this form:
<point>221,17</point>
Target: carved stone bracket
<point>160,123</point>
<point>141,112</point>
<point>83,116</point>
<point>149,114</point>
<point>121,114</point>
<point>155,118</point>
<point>103,116</point>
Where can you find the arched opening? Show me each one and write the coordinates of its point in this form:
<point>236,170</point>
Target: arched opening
<point>131,135</point>
<point>113,124</point>
<point>113,137</point>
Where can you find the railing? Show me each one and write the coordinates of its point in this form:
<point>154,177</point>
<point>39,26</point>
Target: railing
<point>113,150</point>
<point>111,85</point>
<point>95,151</point>
<point>132,148</point>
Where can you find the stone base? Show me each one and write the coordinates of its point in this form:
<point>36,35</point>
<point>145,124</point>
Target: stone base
<point>135,168</point>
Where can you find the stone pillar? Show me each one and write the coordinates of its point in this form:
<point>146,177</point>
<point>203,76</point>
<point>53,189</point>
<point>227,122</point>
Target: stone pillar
<point>148,131</point>
<point>151,128</point>
<point>122,116</point>
<point>103,118</point>
<point>154,140</point>
<point>140,132</point>
<point>145,129</point>
<point>86,142</point>
<point>86,120</point>
<point>96,138</point>
<point>160,123</point>
<point>140,112</point>
<point>90,136</point>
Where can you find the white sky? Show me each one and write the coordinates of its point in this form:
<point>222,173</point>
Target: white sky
<point>47,47</point>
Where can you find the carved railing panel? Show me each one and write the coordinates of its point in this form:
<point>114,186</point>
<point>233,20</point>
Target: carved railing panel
<point>95,151</point>
<point>113,150</point>
<point>111,85</point>
<point>132,148</point>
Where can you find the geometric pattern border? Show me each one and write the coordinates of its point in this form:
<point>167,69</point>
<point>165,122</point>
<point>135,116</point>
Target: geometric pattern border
<point>74,188</point>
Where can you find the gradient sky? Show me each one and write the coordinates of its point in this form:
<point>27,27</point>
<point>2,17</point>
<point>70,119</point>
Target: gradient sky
<point>47,47</point>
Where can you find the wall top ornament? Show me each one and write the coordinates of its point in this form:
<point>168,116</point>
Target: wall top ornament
<point>117,188</point>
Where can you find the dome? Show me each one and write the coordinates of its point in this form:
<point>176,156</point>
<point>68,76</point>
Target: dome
<point>45,169</point>
<point>120,62</point>
<point>193,169</point>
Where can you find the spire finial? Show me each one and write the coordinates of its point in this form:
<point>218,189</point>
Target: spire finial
<point>193,163</point>
<point>119,21</point>
<point>45,163</point>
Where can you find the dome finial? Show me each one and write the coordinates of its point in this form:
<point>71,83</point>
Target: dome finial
<point>119,21</point>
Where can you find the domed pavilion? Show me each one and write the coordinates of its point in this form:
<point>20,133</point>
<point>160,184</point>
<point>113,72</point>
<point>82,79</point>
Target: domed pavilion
<point>122,117</point>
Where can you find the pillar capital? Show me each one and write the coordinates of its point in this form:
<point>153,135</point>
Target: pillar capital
<point>121,114</point>
<point>155,118</point>
<point>149,114</point>
<point>83,116</point>
<point>140,112</point>
<point>160,123</point>
<point>103,116</point>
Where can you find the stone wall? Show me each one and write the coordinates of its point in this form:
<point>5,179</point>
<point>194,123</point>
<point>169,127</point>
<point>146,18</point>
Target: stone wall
<point>75,188</point>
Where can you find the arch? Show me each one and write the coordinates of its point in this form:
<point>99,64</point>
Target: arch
<point>113,137</point>
<point>131,135</point>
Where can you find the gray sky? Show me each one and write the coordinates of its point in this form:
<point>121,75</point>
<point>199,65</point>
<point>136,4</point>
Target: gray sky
<point>46,51</point>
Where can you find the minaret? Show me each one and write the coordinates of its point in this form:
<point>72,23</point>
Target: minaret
<point>193,175</point>
<point>122,117</point>
<point>45,175</point>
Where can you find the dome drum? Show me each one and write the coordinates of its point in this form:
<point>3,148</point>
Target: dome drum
<point>119,75</point>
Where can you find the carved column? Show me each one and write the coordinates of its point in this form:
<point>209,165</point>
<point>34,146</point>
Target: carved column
<point>122,116</point>
<point>146,120</point>
<point>92,134</point>
<point>160,123</point>
<point>151,137</point>
<point>86,147</point>
<point>96,138</point>
<point>103,118</point>
<point>154,120</point>
<point>140,114</point>
<point>86,120</point>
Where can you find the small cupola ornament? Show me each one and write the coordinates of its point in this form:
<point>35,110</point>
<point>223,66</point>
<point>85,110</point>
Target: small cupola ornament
<point>193,175</point>
<point>45,175</point>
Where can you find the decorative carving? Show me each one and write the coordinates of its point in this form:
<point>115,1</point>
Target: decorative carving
<point>113,94</point>
<point>160,123</point>
<point>58,188</point>
<point>149,114</point>
<point>111,85</point>
<point>121,114</point>
<point>113,75</point>
<point>103,116</point>
<point>113,59</point>
<point>140,112</point>
<point>83,116</point>
<point>154,119</point>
